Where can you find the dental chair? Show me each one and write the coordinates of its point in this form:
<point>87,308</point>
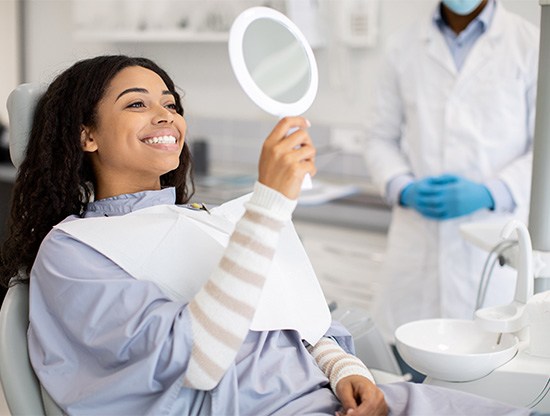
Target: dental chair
<point>21,388</point>
<point>22,391</point>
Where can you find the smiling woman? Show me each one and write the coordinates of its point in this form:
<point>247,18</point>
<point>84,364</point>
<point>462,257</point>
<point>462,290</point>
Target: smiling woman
<point>139,135</point>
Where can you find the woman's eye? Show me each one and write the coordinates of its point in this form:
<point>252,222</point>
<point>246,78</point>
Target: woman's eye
<point>137,104</point>
<point>171,106</point>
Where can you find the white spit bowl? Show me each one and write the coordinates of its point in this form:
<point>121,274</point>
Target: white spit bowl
<point>453,349</point>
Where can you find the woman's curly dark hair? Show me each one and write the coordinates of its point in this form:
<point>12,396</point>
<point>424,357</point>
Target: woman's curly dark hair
<point>55,179</point>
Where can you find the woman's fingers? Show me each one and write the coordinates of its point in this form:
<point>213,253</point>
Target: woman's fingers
<point>282,128</point>
<point>287,158</point>
<point>297,143</point>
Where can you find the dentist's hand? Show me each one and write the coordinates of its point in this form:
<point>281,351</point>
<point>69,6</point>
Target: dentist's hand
<point>423,195</point>
<point>285,160</point>
<point>446,196</point>
<point>360,396</point>
<point>461,196</point>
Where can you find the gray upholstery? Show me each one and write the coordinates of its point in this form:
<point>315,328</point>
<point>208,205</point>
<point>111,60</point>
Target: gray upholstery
<point>21,104</point>
<point>21,388</point>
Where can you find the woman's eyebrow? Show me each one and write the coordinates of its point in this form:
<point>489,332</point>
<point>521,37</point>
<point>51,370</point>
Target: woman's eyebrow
<point>141,90</point>
<point>129,90</point>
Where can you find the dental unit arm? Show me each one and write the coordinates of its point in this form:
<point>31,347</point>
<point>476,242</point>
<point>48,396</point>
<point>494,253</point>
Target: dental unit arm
<point>526,309</point>
<point>512,317</point>
<point>539,220</point>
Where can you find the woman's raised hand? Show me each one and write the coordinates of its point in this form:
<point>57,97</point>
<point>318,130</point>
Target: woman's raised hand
<point>285,160</point>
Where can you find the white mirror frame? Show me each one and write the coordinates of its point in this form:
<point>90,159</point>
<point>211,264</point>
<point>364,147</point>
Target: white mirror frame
<point>236,56</point>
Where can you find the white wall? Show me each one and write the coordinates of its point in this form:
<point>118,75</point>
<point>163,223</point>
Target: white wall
<point>203,70</point>
<point>10,58</point>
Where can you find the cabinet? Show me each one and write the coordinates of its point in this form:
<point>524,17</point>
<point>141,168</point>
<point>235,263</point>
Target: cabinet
<point>347,261</point>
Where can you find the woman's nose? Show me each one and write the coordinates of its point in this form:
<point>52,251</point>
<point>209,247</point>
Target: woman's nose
<point>163,115</point>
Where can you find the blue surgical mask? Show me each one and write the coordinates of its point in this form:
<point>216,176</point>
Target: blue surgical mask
<point>462,7</point>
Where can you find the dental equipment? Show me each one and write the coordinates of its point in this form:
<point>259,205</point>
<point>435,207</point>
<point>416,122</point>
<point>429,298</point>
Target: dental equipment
<point>539,221</point>
<point>483,359</point>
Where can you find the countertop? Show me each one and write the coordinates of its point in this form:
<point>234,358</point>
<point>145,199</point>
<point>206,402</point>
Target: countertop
<point>348,202</point>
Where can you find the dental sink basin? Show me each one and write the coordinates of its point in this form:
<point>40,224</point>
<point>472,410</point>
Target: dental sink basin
<point>453,349</point>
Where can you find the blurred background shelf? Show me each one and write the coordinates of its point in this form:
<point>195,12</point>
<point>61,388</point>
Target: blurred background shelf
<point>151,36</point>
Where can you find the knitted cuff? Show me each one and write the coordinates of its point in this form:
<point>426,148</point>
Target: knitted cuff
<point>336,363</point>
<point>271,203</point>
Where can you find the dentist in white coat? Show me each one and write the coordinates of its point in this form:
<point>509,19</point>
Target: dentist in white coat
<point>450,141</point>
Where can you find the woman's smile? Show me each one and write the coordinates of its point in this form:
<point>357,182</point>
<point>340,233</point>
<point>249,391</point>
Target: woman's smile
<point>163,140</point>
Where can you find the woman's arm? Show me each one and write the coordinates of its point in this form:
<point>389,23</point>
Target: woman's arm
<point>349,378</point>
<point>223,309</point>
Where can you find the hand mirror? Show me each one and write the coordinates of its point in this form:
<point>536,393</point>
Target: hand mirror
<point>273,63</point>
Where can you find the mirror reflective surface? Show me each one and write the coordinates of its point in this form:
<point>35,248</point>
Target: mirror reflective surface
<point>273,61</point>
<point>276,60</point>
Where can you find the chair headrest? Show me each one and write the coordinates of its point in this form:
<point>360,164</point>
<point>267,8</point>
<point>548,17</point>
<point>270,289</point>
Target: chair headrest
<point>21,105</point>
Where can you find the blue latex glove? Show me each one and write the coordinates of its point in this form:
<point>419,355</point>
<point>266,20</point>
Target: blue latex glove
<point>420,195</point>
<point>446,196</point>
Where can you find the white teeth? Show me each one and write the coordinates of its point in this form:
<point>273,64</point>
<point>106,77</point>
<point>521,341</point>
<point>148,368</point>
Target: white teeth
<point>160,139</point>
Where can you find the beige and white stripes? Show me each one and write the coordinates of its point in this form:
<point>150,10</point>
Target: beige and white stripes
<point>336,363</point>
<point>223,309</point>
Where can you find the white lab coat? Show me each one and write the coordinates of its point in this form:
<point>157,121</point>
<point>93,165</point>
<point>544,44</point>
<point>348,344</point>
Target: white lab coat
<point>429,119</point>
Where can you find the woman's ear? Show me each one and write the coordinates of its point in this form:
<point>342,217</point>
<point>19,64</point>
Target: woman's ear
<point>87,140</point>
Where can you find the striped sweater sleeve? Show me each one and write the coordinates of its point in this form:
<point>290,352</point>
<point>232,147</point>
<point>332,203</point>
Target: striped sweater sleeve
<point>223,309</point>
<point>336,363</point>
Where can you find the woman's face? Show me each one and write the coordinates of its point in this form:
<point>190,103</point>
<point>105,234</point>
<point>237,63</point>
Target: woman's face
<point>139,135</point>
